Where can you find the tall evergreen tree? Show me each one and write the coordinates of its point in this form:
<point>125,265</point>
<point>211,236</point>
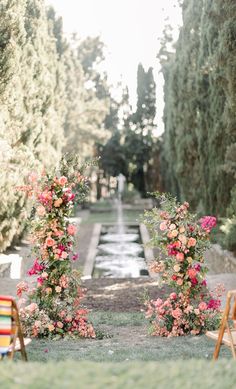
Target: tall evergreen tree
<point>139,126</point>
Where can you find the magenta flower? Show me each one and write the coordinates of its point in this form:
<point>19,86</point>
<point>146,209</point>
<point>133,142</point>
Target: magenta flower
<point>208,222</point>
<point>213,304</point>
<point>36,268</point>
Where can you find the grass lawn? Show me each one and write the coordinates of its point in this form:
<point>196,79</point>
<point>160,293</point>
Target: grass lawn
<point>126,339</point>
<point>191,374</point>
<point>129,216</point>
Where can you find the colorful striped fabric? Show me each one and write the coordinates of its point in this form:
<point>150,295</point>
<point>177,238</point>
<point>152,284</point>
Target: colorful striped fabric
<point>5,323</point>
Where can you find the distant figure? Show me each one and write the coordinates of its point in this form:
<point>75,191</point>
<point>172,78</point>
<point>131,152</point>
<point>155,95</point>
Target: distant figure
<point>121,184</point>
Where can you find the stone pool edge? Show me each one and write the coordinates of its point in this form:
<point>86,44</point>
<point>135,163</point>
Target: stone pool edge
<point>90,259</point>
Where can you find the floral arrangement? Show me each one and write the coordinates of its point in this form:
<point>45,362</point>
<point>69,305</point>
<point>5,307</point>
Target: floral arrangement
<point>53,304</point>
<point>182,240</point>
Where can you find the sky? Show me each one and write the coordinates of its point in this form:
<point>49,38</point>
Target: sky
<point>130,30</point>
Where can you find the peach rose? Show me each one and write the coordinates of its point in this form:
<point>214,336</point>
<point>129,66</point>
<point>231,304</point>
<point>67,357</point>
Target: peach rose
<point>192,273</point>
<point>57,203</point>
<point>179,281</point>
<point>58,289</point>
<point>176,268</point>
<point>189,259</point>
<point>51,327</point>
<point>163,226</point>
<point>62,180</point>
<point>59,324</point>
<point>41,210</point>
<point>50,242</point>
<point>191,242</point>
<point>182,238</point>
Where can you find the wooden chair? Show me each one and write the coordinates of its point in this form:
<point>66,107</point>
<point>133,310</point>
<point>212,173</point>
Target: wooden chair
<point>11,337</point>
<point>226,334</point>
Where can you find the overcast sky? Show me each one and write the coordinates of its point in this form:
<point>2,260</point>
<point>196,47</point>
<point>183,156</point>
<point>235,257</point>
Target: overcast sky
<point>129,28</point>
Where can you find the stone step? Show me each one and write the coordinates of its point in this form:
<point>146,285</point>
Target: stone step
<point>5,269</point>
<point>10,265</point>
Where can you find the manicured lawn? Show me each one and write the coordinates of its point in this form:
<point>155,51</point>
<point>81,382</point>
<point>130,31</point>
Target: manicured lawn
<point>129,216</point>
<point>125,339</point>
<point>191,374</point>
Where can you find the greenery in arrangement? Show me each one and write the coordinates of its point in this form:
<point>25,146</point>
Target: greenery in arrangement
<point>53,304</point>
<point>183,239</point>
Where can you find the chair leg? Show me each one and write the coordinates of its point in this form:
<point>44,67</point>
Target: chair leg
<point>231,341</point>
<point>219,340</point>
<point>20,334</point>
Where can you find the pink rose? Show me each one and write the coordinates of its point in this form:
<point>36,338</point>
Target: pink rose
<point>202,306</point>
<point>62,180</point>
<point>71,229</point>
<point>163,226</point>
<point>179,281</point>
<point>64,255</point>
<point>191,242</point>
<point>177,313</point>
<point>173,296</point>
<point>180,257</point>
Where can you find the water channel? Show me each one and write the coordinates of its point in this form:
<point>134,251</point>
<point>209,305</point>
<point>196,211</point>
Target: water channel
<point>120,252</point>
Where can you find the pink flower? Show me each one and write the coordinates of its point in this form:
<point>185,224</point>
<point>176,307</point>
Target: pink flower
<point>213,304</point>
<point>50,242</point>
<point>64,255</point>
<point>191,242</point>
<point>163,226</point>
<point>194,281</point>
<point>62,180</point>
<point>208,222</point>
<point>173,296</point>
<point>71,229</point>
<point>192,273</point>
<point>75,257</point>
<point>40,281</point>
<point>22,287</point>
<point>36,268</point>
<point>202,306</point>
<point>179,281</point>
<point>33,177</point>
<point>180,257</point>
<point>177,313</point>
<point>41,210</point>
<point>32,307</point>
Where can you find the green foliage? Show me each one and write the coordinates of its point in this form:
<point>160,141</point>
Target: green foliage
<point>45,104</point>
<point>198,159</point>
<point>140,144</point>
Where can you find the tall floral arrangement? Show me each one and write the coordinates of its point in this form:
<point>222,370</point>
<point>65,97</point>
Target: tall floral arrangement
<point>182,240</point>
<point>53,304</point>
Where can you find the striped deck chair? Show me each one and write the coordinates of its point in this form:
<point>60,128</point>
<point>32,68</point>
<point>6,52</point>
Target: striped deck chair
<point>11,338</point>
